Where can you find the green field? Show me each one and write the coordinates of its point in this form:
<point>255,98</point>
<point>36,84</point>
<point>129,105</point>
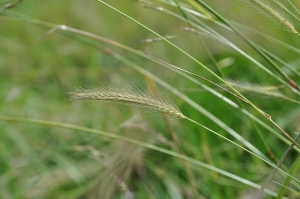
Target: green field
<point>238,67</point>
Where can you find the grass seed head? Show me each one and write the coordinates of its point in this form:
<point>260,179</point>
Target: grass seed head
<point>128,96</point>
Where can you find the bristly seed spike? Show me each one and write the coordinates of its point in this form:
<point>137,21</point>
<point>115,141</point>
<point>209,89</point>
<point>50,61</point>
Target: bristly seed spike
<point>123,95</point>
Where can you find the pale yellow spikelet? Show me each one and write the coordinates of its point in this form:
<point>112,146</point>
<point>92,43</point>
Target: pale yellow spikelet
<point>129,96</point>
<point>169,37</point>
<point>256,89</point>
<point>276,13</point>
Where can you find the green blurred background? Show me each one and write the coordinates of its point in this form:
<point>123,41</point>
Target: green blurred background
<point>38,67</point>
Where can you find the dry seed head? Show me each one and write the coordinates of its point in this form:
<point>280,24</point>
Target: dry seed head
<point>275,13</point>
<point>129,96</point>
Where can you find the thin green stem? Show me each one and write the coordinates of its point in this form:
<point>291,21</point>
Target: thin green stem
<point>235,143</point>
<point>286,187</point>
<point>10,6</point>
<point>294,169</point>
<point>294,7</point>
<point>281,62</point>
<point>259,193</point>
<point>195,75</point>
<point>200,40</point>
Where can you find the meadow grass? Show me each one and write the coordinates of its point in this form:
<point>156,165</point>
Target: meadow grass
<point>233,133</point>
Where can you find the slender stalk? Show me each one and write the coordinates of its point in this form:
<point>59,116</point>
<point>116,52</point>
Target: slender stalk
<point>195,75</point>
<point>259,193</point>
<point>197,36</point>
<point>294,8</point>
<point>287,180</point>
<point>268,149</point>
<point>286,187</point>
<point>201,9</point>
<point>274,40</point>
<point>281,62</point>
<point>10,6</point>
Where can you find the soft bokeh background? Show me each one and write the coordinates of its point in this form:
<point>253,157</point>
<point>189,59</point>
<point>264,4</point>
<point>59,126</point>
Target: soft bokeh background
<point>38,68</point>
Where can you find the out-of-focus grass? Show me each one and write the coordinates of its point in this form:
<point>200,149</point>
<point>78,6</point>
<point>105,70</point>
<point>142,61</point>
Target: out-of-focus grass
<point>47,162</point>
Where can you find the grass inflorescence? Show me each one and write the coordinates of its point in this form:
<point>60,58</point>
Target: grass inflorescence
<point>128,96</point>
<point>274,12</point>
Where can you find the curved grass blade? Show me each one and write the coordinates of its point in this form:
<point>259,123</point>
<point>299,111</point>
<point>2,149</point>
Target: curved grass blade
<point>288,188</point>
<point>9,6</point>
<point>294,168</point>
<point>259,193</point>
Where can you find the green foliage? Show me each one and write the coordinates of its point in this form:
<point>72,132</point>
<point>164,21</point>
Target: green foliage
<point>235,70</point>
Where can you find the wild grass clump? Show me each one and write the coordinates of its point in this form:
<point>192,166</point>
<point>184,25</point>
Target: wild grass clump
<point>226,146</point>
